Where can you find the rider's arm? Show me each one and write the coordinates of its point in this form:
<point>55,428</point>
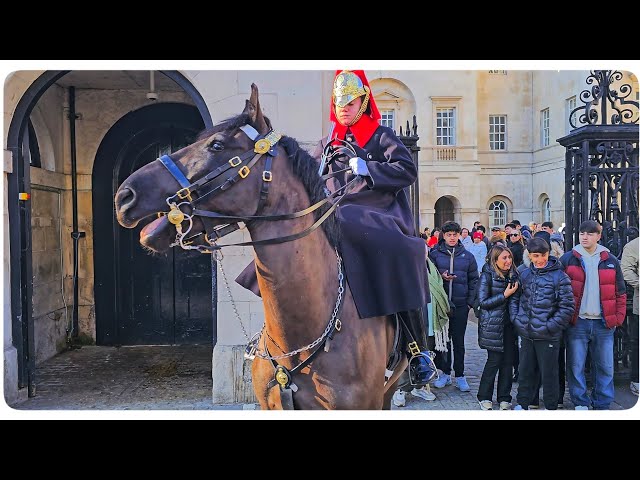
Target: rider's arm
<point>390,166</point>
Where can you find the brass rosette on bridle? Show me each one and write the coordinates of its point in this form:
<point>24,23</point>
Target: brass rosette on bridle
<point>265,144</point>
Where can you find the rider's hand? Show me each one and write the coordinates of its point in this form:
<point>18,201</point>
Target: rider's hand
<point>359,166</point>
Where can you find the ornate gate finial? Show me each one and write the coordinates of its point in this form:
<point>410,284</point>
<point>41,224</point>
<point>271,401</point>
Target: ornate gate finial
<point>603,96</point>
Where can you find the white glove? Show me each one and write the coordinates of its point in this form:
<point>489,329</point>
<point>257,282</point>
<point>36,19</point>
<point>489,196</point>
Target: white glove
<point>359,166</point>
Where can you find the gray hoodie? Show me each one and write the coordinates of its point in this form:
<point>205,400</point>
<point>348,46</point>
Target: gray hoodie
<point>590,306</point>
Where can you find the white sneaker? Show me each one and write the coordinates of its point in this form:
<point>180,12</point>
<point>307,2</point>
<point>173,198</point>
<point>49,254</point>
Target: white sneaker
<point>581,407</point>
<point>505,406</point>
<point>399,399</point>
<point>486,405</point>
<point>442,381</point>
<point>424,393</point>
<point>634,388</point>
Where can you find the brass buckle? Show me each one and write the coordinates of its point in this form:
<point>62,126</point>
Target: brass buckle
<point>161,214</point>
<point>235,161</point>
<point>184,193</point>
<point>413,348</point>
<point>267,176</point>
<point>244,172</point>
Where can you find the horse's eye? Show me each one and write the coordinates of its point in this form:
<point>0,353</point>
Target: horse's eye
<point>217,146</point>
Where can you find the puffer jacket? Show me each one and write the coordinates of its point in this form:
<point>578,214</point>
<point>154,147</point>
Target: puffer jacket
<point>613,292</point>
<point>495,310</point>
<point>465,285</point>
<point>545,302</point>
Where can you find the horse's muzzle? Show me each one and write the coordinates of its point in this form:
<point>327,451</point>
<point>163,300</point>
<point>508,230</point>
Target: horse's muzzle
<point>125,200</point>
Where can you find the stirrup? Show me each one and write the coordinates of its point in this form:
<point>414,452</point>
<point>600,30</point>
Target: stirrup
<point>421,365</point>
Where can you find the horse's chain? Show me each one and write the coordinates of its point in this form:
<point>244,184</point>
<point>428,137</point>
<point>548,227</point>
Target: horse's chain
<point>316,342</point>
<point>219,257</point>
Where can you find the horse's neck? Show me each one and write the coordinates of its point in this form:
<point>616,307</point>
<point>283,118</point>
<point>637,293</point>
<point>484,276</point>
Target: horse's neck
<point>299,279</point>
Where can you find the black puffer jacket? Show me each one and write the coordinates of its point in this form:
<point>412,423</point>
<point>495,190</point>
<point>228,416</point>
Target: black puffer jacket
<point>545,302</point>
<point>495,310</point>
<point>465,285</point>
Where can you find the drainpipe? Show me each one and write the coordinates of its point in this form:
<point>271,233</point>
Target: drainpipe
<point>75,234</point>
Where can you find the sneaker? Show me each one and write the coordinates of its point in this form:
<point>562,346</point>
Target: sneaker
<point>561,406</point>
<point>399,399</point>
<point>505,406</point>
<point>518,407</point>
<point>424,393</point>
<point>581,407</point>
<point>534,407</point>
<point>443,381</point>
<point>463,386</point>
<point>634,388</point>
<point>486,405</point>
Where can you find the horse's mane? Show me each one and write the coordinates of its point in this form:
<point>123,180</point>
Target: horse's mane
<point>305,167</point>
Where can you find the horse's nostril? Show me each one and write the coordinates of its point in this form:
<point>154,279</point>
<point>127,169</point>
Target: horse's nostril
<point>125,199</point>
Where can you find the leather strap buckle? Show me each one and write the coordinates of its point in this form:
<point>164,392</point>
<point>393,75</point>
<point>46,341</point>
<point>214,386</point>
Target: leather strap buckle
<point>244,172</point>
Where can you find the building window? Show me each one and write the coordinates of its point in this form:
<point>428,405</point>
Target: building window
<point>544,128</point>
<point>388,119</point>
<point>546,210</point>
<point>570,106</point>
<point>445,126</point>
<point>497,214</point>
<point>497,132</point>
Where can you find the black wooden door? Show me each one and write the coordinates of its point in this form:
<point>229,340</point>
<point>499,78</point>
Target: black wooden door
<point>444,212</point>
<point>159,299</point>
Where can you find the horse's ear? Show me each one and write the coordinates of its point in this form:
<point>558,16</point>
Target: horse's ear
<point>252,108</point>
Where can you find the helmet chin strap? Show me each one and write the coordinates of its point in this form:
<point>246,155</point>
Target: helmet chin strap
<point>363,107</point>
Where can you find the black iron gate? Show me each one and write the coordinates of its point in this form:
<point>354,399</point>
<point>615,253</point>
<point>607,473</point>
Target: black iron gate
<point>410,140</point>
<point>601,172</point>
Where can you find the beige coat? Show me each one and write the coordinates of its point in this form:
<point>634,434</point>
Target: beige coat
<point>629,264</point>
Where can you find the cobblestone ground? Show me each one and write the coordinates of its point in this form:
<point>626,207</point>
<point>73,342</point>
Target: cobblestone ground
<point>179,378</point>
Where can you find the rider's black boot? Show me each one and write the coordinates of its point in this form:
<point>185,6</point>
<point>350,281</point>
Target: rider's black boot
<point>421,366</point>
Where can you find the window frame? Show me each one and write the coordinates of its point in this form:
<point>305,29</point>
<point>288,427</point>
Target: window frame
<point>498,133</point>
<point>502,218</point>
<point>545,130</point>
<point>393,118</point>
<point>450,128</point>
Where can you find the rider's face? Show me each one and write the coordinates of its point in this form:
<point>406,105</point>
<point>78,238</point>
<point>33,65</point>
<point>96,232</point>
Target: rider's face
<point>347,114</point>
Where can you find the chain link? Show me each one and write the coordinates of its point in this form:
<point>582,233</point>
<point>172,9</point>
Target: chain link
<point>332,321</point>
<point>219,257</point>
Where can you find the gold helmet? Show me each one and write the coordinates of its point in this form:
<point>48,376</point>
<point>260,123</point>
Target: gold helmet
<point>347,86</point>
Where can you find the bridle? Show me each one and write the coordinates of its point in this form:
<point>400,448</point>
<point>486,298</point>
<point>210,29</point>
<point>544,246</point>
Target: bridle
<point>224,177</point>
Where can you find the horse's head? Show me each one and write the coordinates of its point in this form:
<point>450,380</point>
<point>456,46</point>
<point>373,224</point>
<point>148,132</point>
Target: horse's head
<point>146,191</point>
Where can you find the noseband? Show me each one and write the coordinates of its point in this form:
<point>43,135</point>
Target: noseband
<point>217,182</point>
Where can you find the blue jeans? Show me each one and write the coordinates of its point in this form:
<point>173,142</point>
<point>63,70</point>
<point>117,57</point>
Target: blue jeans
<point>595,337</point>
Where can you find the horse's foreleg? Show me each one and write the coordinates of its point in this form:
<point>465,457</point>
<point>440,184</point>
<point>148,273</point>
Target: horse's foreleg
<point>388,395</point>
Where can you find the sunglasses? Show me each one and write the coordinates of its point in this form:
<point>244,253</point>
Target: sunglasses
<point>514,234</point>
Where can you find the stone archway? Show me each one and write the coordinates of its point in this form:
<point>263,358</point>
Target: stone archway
<point>445,211</point>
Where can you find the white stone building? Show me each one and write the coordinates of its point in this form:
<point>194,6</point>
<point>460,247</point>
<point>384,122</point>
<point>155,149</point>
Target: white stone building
<point>488,152</point>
